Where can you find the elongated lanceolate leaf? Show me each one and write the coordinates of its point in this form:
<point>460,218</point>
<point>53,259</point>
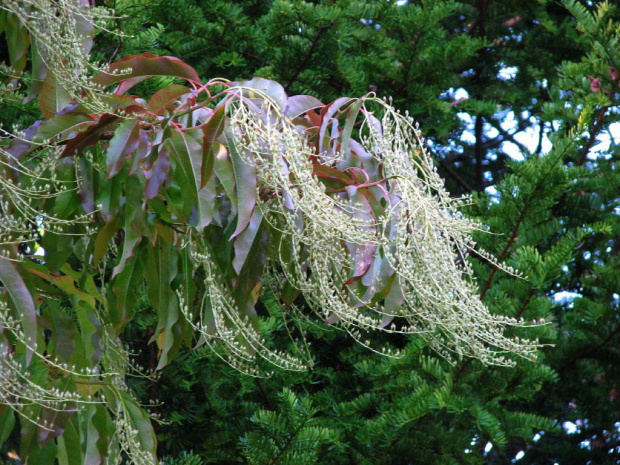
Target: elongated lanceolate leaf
<point>244,241</point>
<point>327,115</point>
<point>91,136</point>
<point>187,153</point>
<point>347,130</point>
<point>145,65</point>
<point>21,297</point>
<point>140,422</point>
<point>361,254</point>
<point>158,173</point>
<point>245,179</point>
<point>161,270</point>
<point>164,97</point>
<point>17,40</point>
<point>66,121</point>
<point>271,89</point>
<point>123,143</point>
<point>299,104</point>
<point>211,131</point>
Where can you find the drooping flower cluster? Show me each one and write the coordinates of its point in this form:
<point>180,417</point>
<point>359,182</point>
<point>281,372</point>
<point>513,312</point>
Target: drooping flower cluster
<point>365,230</point>
<point>60,33</point>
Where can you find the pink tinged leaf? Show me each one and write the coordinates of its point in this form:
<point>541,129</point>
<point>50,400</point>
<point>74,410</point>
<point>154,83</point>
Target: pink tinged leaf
<point>143,150</point>
<point>21,146</point>
<point>327,113</point>
<point>158,173</point>
<point>212,129</point>
<point>124,142</point>
<point>245,180</point>
<point>222,167</point>
<point>378,278</point>
<point>385,320</point>
<point>272,89</point>
<point>145,65</point>
<point>613,73</point>
<point>368,162</point>
<point>91,136</point>
<point>394,300</point>
<point>63,123</point>
<point>22,299</point>
<point>127,84</point>
<point>347,130</point>
<point>333,318</point>
<point>55,420</point>
<point>286,196</point>
<point>299,104</point>
<point>595,84</point>
<point>362,255</point>
<point>166,96</point>
<point>244,241</point>
<point>84,25</point>
<point>375,123</point>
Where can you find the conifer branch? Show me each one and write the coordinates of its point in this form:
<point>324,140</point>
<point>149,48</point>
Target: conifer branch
<point>503,254</point>
<point>308,55</point>
<point>597,126</point>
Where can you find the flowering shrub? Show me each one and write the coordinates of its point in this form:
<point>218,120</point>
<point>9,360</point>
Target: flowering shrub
<point>211,195</point>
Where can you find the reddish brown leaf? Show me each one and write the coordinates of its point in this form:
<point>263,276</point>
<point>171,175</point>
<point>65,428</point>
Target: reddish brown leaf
<point>143,66</point>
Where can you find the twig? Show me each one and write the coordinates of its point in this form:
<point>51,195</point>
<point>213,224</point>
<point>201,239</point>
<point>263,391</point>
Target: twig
<point>307,56</point>
<point>598,124</point>
<point>464,184</point>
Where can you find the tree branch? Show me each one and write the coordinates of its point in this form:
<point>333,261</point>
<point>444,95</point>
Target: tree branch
<point>598,124</point>
<point>307,56</point>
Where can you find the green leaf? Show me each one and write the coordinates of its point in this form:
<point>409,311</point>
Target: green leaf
<point>91,432</point>
<point>69,445</point>
<point>52,97</point>
<point>84,305</point>
<point>22,299</point>
<point>103,239</point>
<point>58,248</point>
<point>161,270</point>
<point>134,225</point>
<point>7,422</point>
<point>64,333</point>
<point>109,197</point>
<point>18,41</point>
<point>122,301</point>
<point>139,421</point>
